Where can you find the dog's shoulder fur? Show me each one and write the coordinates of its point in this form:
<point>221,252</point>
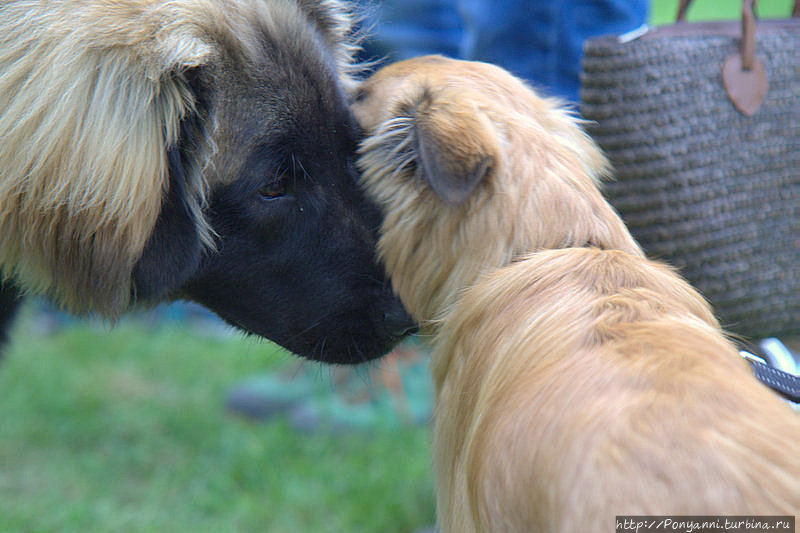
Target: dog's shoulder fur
<point>576,379</point>
<point>577,363</point>
<point>97,99</point>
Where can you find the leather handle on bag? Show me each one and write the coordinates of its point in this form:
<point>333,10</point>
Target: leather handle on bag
<point>682,8</point>
<point>748,43</point>
<point>747,7</point>
<point>743,75</point>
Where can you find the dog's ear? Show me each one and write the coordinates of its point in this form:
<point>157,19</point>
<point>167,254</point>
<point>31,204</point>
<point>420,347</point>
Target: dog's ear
<point>456,148</point>
<point>175,247</point>
<point>339,23</point>
<point>85,172</point>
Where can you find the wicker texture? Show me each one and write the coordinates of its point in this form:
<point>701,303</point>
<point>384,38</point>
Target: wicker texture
<point>700,185</point>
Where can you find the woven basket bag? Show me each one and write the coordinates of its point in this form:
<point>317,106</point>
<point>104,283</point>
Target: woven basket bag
<point>708,172</point>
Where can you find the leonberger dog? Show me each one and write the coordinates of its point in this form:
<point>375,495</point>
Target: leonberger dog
<point>203,150</point>
<point>576,380</point>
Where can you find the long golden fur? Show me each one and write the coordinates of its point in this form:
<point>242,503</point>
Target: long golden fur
<point>93,94</point>
<point>576,380</point>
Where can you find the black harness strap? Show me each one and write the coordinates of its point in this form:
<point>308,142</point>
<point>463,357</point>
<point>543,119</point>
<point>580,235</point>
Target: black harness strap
<point>781,382</point>
<point>784,383</point>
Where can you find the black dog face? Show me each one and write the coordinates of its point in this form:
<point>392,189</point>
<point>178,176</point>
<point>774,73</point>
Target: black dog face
<point>295,253</point>
<point>190,150</point>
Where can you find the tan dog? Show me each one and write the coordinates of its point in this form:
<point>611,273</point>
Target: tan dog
<point>576,380</point>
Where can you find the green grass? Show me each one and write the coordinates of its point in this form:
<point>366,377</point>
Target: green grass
<point>664,11</point>
<point>126,430</point>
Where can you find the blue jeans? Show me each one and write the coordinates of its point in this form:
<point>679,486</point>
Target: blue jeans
<point>539,40</point>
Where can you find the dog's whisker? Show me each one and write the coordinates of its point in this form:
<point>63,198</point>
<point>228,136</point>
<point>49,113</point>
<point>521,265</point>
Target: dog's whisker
<point>358,351</point>
<point>306,175</point>
<point>307,329</point>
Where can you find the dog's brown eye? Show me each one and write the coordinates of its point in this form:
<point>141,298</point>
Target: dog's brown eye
<point>275,189</point>
<point>360,95</point>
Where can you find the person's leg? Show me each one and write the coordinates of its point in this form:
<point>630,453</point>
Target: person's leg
<point>519,35</point>
<point>407,28</point>
<point>582,20</point>
<point>542,40</point>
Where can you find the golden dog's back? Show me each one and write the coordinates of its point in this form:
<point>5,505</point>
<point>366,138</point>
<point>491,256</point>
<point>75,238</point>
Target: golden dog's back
<point>600,385</point>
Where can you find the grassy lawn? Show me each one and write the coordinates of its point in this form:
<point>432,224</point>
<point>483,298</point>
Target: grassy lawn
<point>126,430</point>
<point>664,11</point>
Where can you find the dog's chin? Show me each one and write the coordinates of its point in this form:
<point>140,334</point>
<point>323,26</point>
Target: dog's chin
<point>349,348</point>
<point>349,351</point>
<point>346,338</point>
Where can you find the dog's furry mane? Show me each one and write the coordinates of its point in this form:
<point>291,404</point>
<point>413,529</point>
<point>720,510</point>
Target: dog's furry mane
<point>98,108</point>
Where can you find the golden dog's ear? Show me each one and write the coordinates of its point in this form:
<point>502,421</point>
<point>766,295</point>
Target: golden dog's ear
<point>456,147</point>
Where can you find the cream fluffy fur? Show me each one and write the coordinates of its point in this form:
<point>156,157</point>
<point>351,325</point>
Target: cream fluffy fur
<point>575,379</point>
<point>93,93</point>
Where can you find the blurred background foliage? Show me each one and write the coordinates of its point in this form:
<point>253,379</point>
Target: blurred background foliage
<point>125,429</point>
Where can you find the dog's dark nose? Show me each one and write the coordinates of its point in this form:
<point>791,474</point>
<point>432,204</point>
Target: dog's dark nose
<point>398,323</point>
